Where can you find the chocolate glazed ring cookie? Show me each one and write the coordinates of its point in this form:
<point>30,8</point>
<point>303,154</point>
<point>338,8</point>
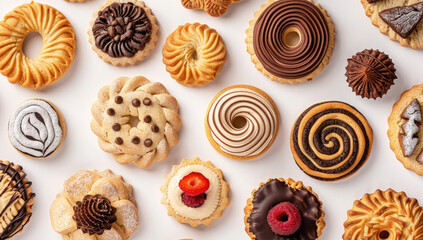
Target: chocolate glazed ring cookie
<point>331,141</point>
<point>242,122</point>
<point>290,40</point>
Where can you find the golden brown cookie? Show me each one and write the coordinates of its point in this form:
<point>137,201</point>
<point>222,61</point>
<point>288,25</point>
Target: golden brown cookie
<point>126,37</point>
<point>57,52</point>
<point>385,215</point>
<point>91,194</point>
<point>215,8</point>
<point>404,129</point>
<point>242,122</point>
<point>398,30</point>
<point>136,120</point>
<point>331,141</point>
<point>304,47</point>
<point>194,54</point>
<point>195,204</point>
<point>278,197</point>
<point>37,128</point>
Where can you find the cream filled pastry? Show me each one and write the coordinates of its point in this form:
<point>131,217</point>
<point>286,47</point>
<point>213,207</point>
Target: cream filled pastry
<point>242,122</point>
<point>195,192</point>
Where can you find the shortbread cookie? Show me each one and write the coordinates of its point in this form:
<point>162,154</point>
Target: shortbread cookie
<point>136,120</point>
<point>242,122</point>
<point>57,52</point>
<point>299,206</point>
<point>370,73</point>
<point>123,31</point>
<point>404,129</point>
<point>331,141</point>
<point>16,198</point>
<point>37,128</point>
<point>215,8</point>
<point>194,54</point>
<point>195,192</point>
<point>95,205</point>
<point>385,215</point>
<point>275,51</point>
<point>401,20</point>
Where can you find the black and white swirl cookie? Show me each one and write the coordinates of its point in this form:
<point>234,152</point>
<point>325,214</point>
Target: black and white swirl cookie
<point>36,128</point>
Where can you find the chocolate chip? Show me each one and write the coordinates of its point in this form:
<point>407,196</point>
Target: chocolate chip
<point>116,38</point>
<point>129,26</point>
<point>147,119</point>
<point>119,29</point>
<point>155,128</point>
<point>148,142</point>
<point>114,23</point>
<point>136,140</point>
<point>118,99</point>
<point>129,33</point>
<point>116,127</point>
<point>146,101</point>
<point>136,102</point>
<point>126,19</point>
<point>119,141</point>
<point>120,21</point>
<point>111,31</point>
<point>111,112</point>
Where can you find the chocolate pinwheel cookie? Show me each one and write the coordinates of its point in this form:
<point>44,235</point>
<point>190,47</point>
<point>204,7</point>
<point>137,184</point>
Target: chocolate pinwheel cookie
<point>95,205</point>
<point>290,41</point>
<point>123,31</point>
<point>282,209</point>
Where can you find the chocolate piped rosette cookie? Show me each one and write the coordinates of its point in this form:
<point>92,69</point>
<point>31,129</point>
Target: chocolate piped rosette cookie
<point>212,7</point>
<point>405,135</point>
<point>385,215</point>
<point>331,140</point>
<point>136,120</point>
<point>401,20</point>
<point>16,199</point>
<point>283,209</point>
<point>290,41</point>
<point>242,122</point>
<point>195,192</point>
<point>37,128</point>
<point>123,31</point>
<point>95,205</point>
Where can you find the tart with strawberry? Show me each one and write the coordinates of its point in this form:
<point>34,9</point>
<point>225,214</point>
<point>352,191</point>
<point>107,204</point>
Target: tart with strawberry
<point>195,192</point>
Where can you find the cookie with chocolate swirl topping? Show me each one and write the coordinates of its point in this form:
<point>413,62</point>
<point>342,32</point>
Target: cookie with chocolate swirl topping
<point>331,140</point>
<point>123,31</point>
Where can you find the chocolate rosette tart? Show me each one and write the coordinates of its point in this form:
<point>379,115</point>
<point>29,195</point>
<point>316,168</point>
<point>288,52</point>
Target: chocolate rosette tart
<point>290,41</point>
<point>123,31</point>
<point>283,209</point>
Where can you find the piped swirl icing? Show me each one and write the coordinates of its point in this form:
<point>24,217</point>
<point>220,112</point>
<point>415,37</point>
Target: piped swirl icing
<point>34,128</point>
<point>331,140</point>
<point>291,62</point>
<point>261,121</point>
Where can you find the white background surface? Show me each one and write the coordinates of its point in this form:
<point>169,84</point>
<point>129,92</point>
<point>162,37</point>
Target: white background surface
<point>75,93</point>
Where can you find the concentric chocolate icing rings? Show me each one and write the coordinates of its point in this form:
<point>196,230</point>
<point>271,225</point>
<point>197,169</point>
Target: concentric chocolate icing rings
<point>331,141</point>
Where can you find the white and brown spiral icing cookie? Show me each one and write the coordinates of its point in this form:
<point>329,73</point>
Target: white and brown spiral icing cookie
<point>242,122</point>
<point>37,128</point>
<point>136,120</point>
<point>331,140</point>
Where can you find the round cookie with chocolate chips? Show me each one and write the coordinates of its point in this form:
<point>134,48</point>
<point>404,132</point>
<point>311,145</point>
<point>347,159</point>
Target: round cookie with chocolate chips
<point>405,136</point>
<point>95,205</point>
<point>282,209</point>
<point>401,20</point>
<point>136,120</point>
<point>123,31</point>
<point>290,41</point>
<point>195,192</point>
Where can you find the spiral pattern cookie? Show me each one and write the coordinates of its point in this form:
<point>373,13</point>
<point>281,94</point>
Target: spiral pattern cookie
<point>331,141</point>
<point>136,121</point>
<point>215,8</point>
<point>290,40</point>
<point>57,52</point>
<point>385,215</point>
<point>194,54</point>
<point>37,128</point>
<point>242,122</point>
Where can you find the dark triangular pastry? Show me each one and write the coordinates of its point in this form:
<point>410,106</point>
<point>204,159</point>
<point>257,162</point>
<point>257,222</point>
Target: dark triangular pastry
<point>403,20</point>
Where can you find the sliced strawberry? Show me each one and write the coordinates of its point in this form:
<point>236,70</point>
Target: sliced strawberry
<point>194,184</point>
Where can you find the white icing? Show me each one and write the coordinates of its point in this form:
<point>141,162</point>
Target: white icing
<point>32,135</point>
<point>409,140</point>
<point>213,193</point>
